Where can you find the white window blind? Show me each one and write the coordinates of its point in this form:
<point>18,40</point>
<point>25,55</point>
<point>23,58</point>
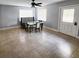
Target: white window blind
<point>26,13</point>
<point>41,14</point>
<point>68,15</point>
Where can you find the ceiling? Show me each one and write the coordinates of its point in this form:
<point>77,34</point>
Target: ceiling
<point>26,2</point>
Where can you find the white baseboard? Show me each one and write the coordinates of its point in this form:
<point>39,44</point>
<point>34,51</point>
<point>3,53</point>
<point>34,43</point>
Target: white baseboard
<point>5,28</point>
<point>51,29</point>
<point>57,30</point>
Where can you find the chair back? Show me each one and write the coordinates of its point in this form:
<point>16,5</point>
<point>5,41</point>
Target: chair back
<point>38,25</point>
<point>24,20</point>
<point>30,19</point>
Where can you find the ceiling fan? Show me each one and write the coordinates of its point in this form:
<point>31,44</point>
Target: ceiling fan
<point>35,4</point>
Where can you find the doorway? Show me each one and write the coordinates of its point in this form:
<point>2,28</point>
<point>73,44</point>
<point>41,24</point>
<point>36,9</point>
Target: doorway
<point>69,20</point>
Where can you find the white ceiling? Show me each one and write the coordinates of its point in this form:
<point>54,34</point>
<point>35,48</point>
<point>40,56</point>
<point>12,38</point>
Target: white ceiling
<point>26,2</point>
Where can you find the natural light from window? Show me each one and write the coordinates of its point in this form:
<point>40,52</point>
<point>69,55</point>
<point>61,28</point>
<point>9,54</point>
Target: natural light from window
<point>26,13</point>
<point>68,15</point>
<point>41,14</point>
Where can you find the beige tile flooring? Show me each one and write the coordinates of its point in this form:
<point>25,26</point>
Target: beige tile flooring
<point>46,44</point>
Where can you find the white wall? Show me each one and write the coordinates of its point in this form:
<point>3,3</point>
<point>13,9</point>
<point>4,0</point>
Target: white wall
<point>52,16</point>
<point>8,16</point>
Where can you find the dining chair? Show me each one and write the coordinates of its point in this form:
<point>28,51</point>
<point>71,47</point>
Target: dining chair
<point>41,24</point>
<point>30,26</point>
<point>26,26</point>
<point>37,26</point>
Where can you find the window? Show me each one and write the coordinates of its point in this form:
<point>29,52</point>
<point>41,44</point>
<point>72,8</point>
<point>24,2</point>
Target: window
<point>26,13</point>
<point>41,14</point>
<point>68,15</point>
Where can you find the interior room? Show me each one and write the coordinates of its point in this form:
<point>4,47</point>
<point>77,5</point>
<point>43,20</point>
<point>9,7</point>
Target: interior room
<point>39,28</point>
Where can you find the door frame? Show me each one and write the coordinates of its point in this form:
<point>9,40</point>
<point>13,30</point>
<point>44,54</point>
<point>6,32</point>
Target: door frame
<point>59,17</point>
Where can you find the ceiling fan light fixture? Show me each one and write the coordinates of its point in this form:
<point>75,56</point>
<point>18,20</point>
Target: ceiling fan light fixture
<point>35,4</point>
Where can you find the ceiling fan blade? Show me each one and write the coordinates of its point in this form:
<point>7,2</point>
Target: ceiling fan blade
<point>39,3</point>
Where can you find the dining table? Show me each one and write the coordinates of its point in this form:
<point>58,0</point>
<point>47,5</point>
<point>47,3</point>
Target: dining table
<point>31,24</point>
